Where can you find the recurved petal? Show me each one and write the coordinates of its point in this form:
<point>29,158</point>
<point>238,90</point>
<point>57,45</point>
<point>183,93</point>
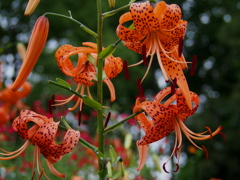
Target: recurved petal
<point>112,66</point>
<point>36,44</point>
<point>70,140</point>
<point>143,17</point>
<point>170,17</point>
<point>85,78</point>
<point>126,34</point>
<point>174,70</point>
<point>143,153</point>
<point>65,63</point>
<point>45,134</point>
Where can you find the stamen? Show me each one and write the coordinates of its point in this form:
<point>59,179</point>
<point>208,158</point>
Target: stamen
<point>107,119</point>
<point>53,99</point>
<point>223,135</point>
<point>140,89</point>
<point>193,66</point>
<point>180,46</point>
<point>164,168</point>
<point>177,168</point>
<point>144,56</point>
<point>210,131</point>
<point>125,70</point>
<point>206,152</point>
<point>79,117</point>
<point>173,87</point>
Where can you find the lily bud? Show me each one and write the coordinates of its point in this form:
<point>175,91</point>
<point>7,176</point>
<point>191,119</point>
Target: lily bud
<point>37,41</point>
<point>21,49</point>
<point>31,6</point>
<point>111,3</point>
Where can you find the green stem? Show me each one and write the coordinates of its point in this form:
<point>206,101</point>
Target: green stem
<point>110,13</point>
<point>85,28</point>
<point>120,123</point>
<point>100,89</point>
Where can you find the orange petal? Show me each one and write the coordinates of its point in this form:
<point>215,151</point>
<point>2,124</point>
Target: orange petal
<point>54,171</point>
<point>143,153</point>
<point>31,6</point>
<point>111,89</point>
<point>37,41</point>
<point>112,66</point>
<point>64,62</point>
<point>174,70</point>
<point>85,78</point>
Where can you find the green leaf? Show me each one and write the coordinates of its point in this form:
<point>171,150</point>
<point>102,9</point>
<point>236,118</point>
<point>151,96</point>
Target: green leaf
<point>116,174</point>
<point>107,51</point>
<point>113,154</point>
<point>92,103</point>
<point>64,83</point>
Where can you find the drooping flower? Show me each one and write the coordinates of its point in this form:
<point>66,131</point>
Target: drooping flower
<point>37,41</point>
<point>41,134</point>
<point>31,6</point>
<point>165,118</point>
<point>158,30</point>
<point>85,72</point>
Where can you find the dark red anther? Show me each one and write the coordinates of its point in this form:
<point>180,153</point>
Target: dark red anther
<point>53,99</point>
<point>140,89</point>
<point>173,87</point>
<point>50,106</point>
<point>164,168</point>
<point>79,118</point>
<point>206,152</point>
<point>144,55</point>
<point>194,65</point>
<point>223,135</point>
<point>180,46</point>
<point>107,119</point>
<point>125,70</point>
<point>176,168</point>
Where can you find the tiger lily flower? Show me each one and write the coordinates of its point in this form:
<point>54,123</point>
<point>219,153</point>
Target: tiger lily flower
<point>31,6</point>
<point>41,135</point>
<point>86,71</point>
<point>158,30</point>
<point>167,117</point>
<point>37,41</point>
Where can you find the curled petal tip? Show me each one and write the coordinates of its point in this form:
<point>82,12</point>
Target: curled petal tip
<point>37,41</point>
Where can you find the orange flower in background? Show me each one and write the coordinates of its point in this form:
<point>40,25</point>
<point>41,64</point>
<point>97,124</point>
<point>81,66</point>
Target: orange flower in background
<point>31,6</point>
<point>41,134</point>
<point>165,118</point>
<point>37,41</point>
<point>85,72</point>
<point>159,31</point>
<point>12,101</point>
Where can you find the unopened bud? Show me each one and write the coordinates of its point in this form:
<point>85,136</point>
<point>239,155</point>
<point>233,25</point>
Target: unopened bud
<point>31,6</point>
<point>111,3</point>
<point>21,49</point>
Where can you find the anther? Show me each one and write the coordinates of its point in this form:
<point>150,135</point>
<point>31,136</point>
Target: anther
<point>194,65</point>
<point>206,152</point>
<point>210,131</point>
<point>107,119</point>
<point>79,118</point>
<point>140,89</point>
<point>173,87</point>
<point>164,168</point>
<point>176,168</point>
<point>144,55</point>
<point>180,46</point>
<point>125,69</point>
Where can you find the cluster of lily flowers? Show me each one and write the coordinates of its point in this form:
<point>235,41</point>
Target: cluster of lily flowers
<point>159,31</point>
